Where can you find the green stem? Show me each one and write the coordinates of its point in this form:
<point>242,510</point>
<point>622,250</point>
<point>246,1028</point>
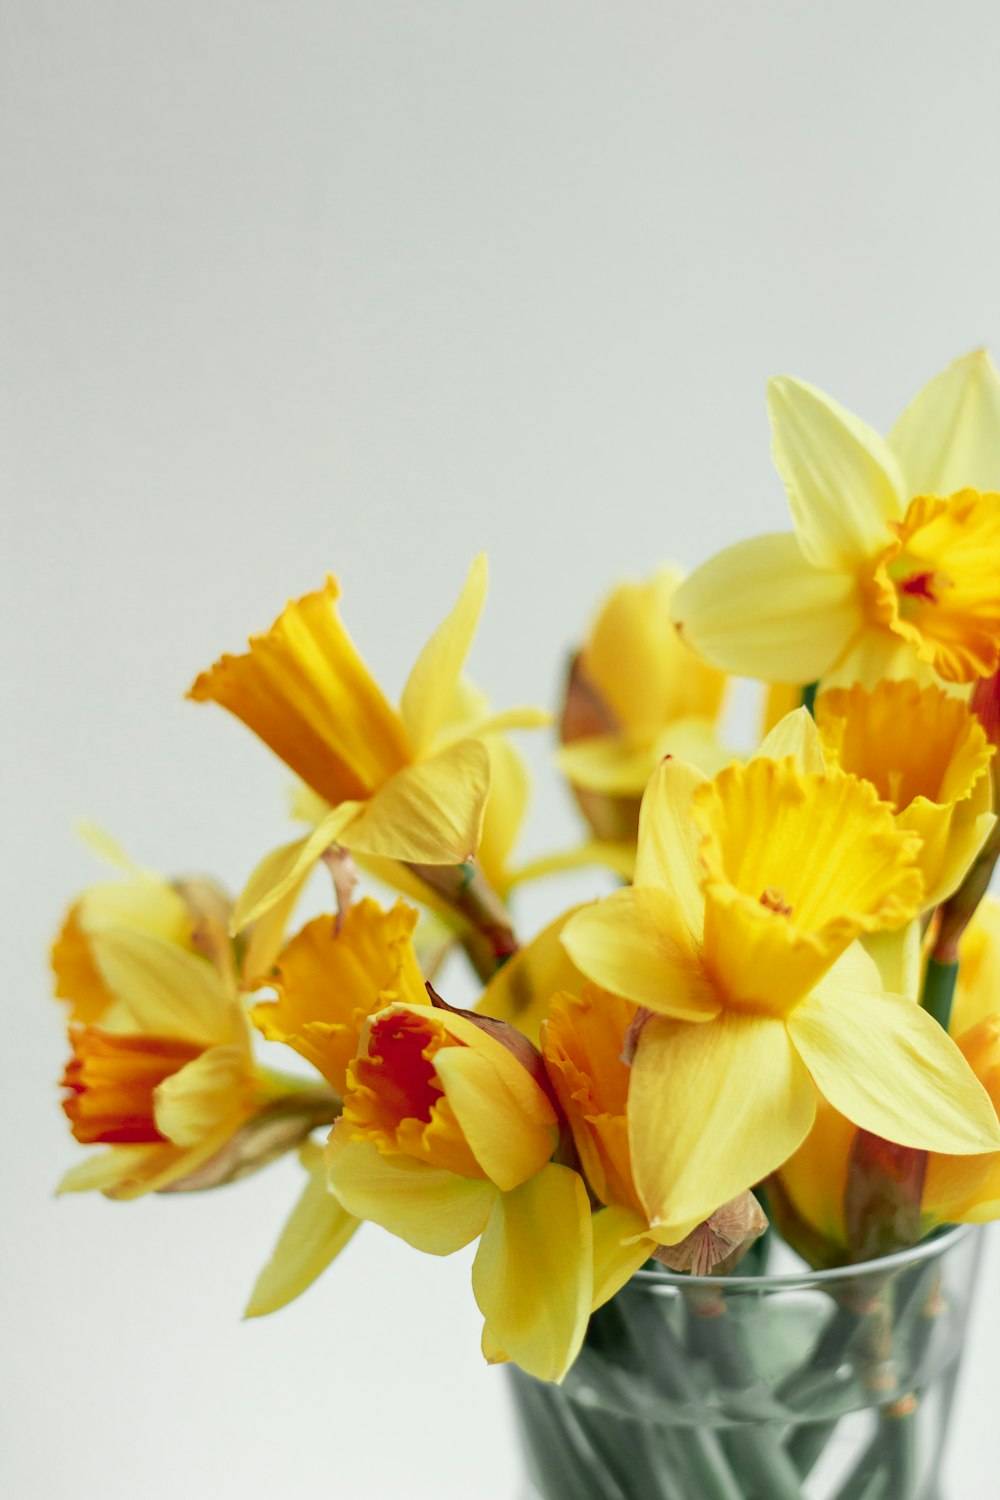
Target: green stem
<point>809,697</point>
<point>939,990</point>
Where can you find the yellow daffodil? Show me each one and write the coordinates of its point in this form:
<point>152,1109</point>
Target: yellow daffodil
<point>892,568</point>
<point>956,1189</point>
<point>162,1070</point>
<point>634,695</point>
<point>928,757</point>
<point>447,1134</point>
<point>401,784</point>
<point>738,938</point>
<point>333,976</point>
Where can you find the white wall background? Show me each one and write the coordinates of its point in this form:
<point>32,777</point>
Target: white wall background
<point>298,286</point>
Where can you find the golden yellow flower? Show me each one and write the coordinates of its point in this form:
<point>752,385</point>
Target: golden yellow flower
<point>738,936</point>
<point>448,1135</point>
<point>928,757</point>
<point>401,784</point>
<point>635,695</point>
<point>891,570</point>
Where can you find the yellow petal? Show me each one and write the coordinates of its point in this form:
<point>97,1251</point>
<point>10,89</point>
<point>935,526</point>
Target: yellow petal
<point>520,991</point>
<point>888,1066</point>
<point>633,944</point>
<point>303,689</point>
<point>504,814</point>
<point>432,1210</point>
<point>507,1143</point>
<point>712,1110</point>
<point>427,814</point>
<point>77,977</point>
<point>897,957</point>
<point>618,857</point>
<point>608,763</point>
<point>621,1246</point>
<point>843,483</point>
<point>760,609</point>
<point>429,693</point>
<point>266,936</point>
<point>966,1189</point>
<point>283,870</point>
<point>330,979</point>
<point>103,1171</point>
<point>795,735</point>
<point>533,1272</point>
<point>638,665</point>
<point>200,1097</point>
<point>949,435</point>
<point>315,1232</point>
<point>167,990</point>
<point>668,851</point>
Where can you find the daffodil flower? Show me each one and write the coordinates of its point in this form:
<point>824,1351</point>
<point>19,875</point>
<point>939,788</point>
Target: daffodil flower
<point>162,1070</point>
<point>399,784</point>
<point>447,1136</point>
<point>635,695</point>
<point>892,568</point>
<point>738,938</point>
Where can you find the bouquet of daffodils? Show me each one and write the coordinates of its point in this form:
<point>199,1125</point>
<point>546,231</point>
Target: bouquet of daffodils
<point>788,1009</point>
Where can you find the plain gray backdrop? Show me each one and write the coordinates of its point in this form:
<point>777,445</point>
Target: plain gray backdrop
<point>293,287</point>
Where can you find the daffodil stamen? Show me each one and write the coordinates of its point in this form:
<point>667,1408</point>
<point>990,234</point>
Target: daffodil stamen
<point>774,900</point>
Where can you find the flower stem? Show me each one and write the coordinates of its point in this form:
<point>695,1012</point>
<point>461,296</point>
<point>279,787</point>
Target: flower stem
<point>486,932</point>
<point>939,990</point>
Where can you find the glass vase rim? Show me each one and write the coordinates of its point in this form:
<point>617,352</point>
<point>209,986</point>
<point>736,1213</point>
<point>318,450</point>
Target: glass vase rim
<point>936,1243</point>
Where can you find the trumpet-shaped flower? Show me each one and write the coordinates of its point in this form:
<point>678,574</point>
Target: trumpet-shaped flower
<point>400,784</point>
<point>738,938</point>
<point>634,695</point>
<point>447,1134</point>
<point>162,1071</point>
<point>928,757</point>
<point>891,570</point>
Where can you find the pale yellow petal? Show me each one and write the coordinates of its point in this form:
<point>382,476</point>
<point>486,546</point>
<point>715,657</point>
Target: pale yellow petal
<point>888,1066</point>
<point>948,437</point>
<point>202,1095</point>
<point>533,1272</point>
<point>634,944</point>
<point>266,935</point>
<point>507,1144</point>
<point>283,870</point>
<point>429,693</point>
<point>795,735</point>
<point>427,814</point>
<point>315,1232</point>
<point>520,991</point>
<point>617,857</point>
<point>103,1171</point>
<point>430,1209</point>
<point>504,814</point>
<point>843,483</point>
<point>168,991</point>
<point>712,1110</point>
<point>760,609</point>
<point>638,665</point>
<point>621,1246</point>
<point>897,958</point>
<point>667,854</point>
<point>875,654</point>
<point>609,763</point>
<point>695,741</point>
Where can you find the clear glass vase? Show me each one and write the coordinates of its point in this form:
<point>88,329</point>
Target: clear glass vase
<point>819,1385</point>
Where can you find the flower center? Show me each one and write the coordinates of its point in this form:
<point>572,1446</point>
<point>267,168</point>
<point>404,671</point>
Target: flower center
<point>773,899</point>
